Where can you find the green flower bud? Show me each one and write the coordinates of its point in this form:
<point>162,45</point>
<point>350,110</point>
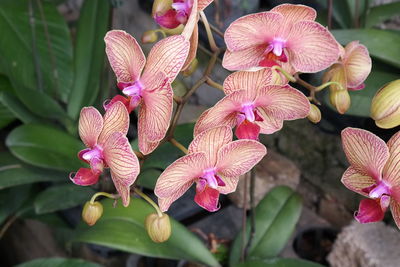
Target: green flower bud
<point>92,212</point>
<point>315,114</point>
<point>149,37</point>
<point>158,228</point>
<point>385,106</point>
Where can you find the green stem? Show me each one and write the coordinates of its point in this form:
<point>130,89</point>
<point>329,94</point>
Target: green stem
<point>285,73</point>
<point>322,86</point>
<point>92,200</point>
<point>149,200</point>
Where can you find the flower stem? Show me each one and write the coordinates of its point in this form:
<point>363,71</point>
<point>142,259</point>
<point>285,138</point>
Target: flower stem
<point>178,145</point>
<point>149,200</point>
<point>162,32</point>
<point>210,36</point>
<point>310,88</point>
<point>216,85</point>
<point>322,86</point>
<point>285,73</point>
<point>112,196</point>
<point>244,220</point>
<point>252,211</point>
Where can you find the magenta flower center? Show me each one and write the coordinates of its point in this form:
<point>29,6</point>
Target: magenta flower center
<point>247,111</point>
<point>276,46</point>
<point>209,178</point>
<point>380,191</point>
<point>93,156</point>
<point>183,10</point>
<point>134,89</point>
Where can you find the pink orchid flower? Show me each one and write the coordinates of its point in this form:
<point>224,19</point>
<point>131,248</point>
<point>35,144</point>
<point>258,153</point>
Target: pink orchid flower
<point>150,89</point>
<point>254,105</point>
<point>374,172</point>
<point>107,146</point>
<point>287,33</point>
<point>214,163</point>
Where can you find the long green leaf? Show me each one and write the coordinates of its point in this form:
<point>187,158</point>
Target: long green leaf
<point>16,108</point>
<point>12,199</point>
<point>89,54</point>
<point>276,218</point>
<point>123,228</point>
<point>58,262</point>
<point>44,146</point>
<point>278,262</point>
<point>380,13</point>
<point>376,41</point>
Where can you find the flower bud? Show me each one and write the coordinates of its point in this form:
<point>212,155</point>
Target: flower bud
<point>191,68</point>
<point>149,37</point>
<point>92,212</point>
<point>385,106</point>
<point>158,228</point>
<point>340,99</point>
<point>315,114</point>
<point>174,31</point>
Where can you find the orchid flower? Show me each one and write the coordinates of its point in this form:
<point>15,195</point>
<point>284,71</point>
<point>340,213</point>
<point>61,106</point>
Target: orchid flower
<point>254,105</point>
<point>286,34</point>
<point>171,14</point>
<point>107,146</point>
<point>350,71</point>
<point>150,89</point>
<point>374,172</point>
<point>214,163</point>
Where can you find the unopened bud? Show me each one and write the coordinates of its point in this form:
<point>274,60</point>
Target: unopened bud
<point>92,212</point>
<point>340,99</point>
<point>385,106</point>
<point>174,31</point>
<point>149,37</point>
<point>191,68</point>
<point>315,114</point>
<point>158,228</point>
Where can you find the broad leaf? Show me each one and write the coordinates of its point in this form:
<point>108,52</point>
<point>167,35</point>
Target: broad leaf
<point>381,44</point>
<point>16,108</point>
<point>58,262</point>
<point>44,146</point>
<point>12,199</point>
<point>62,197</point>
<point>279,262</point>
<point>89,54</point>
<point>276,218</point>
<point>148,178</point>
<point>380,13</point>
<point>123,228</point>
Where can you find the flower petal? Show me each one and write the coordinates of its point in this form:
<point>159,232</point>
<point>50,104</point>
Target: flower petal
<point>210,141</point>
<point>90,126</point>
<point>146,146</point>
<point>248,130</point>
<point>357,63</point>
<point>191,22</point>
<point>369,211</point>
<point>194,41</point>
<point>366,152</point>
<point>125,100</point>
<point>202,4</point>
<point>245,59</point>
<point>175,178</point>
<point>391,171</point>
<point>116,119</point>
<point>356,181</point>
<point>168,56</point>
<point>249,81</point>
<point>311,47</point>
<point>125,55</point>
<point>269,124</point>
<point>295,13</point>
<point>168,19</point>
<point>238,157</point>
<point>84,177</point>
<point>230,184</point>
<point>165,203</point>
<point>395,209</point>
<point>252,30</point>
<point>208,198</point>
<point>123,163</point>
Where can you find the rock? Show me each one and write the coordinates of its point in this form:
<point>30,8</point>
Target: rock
<point>274,169</point>
<point>367,245</point>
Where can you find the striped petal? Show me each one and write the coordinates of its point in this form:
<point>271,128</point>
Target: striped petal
<point>116,119</point>
<point>230,184</point>
<point>395,209</point>
<point>366,152</point>
<point>238,157</point>
<point>165,203</point>
<point>295,13</point>
<point>356,181</point>
<point>249,81</point>
<point>84,177</point>
<point>311,47</point>
<point>207,198</point>
<point>391,172</point>
<point>175,179</point>
<point>210,141</point>
<point>125,55</point>
<point>194,41</point>
<point>357,63</point>
<point>123,164</point>
<point>269,124</point>
<point>168,56</point>
<point>252,30</point>
<point>191,22</point>
<point>202,4</point>
<point>90,126</point>
<point>245,59</point>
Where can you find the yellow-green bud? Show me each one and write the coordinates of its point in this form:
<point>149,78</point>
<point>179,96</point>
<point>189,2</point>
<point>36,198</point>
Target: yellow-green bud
<point>149,37</point>
<point>315,114</point>
<point>385,106</point>
<point>174,31</point>
<point>340,99</point>
<point>92,212</point>
<point>158,228</point>
<point>191,68</point>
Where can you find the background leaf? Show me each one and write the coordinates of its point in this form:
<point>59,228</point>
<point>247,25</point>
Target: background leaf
<point>123,228</point>
<point>276,217</point>
<point>279,263</point>
<point>45,146</point>
<point>58,262</point>
<point>89,54</point>
<point>12,199</point>
<point>16,108</point>
<point>380,13</point>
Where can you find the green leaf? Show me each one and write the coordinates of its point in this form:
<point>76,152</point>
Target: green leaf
<point>62,197</point>
<point>278,262</point>
<point>13,172</point>
<point>276,218</point>
<point>44,146</point>
<point>89,54</point>
<point>58,262</point>
<point>377,42</point>
<point>148,178</point>
<point>6,117</point>
<point>16,108</point>
<point>123,228</point>
<point>12,199</point>
<point>341,12</point>
<point>47,42</point>
<point>380,13</point>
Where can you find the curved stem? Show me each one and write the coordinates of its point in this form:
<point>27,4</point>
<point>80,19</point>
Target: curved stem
<point>112,196</point>
<point>149,200</point>
<point>162,32</point>
<point>216,85</point>
<point>310,88</point>
<point>178,145</point>
<point>285,73</point>
<point>210,36</point>
<point>244,220</point>
<point>322,86</point>
<point>252,211</point>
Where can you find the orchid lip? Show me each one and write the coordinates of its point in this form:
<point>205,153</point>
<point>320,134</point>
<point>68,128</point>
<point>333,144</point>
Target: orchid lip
<point>182,7</point>
<point>95,152</point>
<point>211,178</point>
<point>134,90</point>
<point>381,189</point>
<point>276,46</point>
<point>248,111</point>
